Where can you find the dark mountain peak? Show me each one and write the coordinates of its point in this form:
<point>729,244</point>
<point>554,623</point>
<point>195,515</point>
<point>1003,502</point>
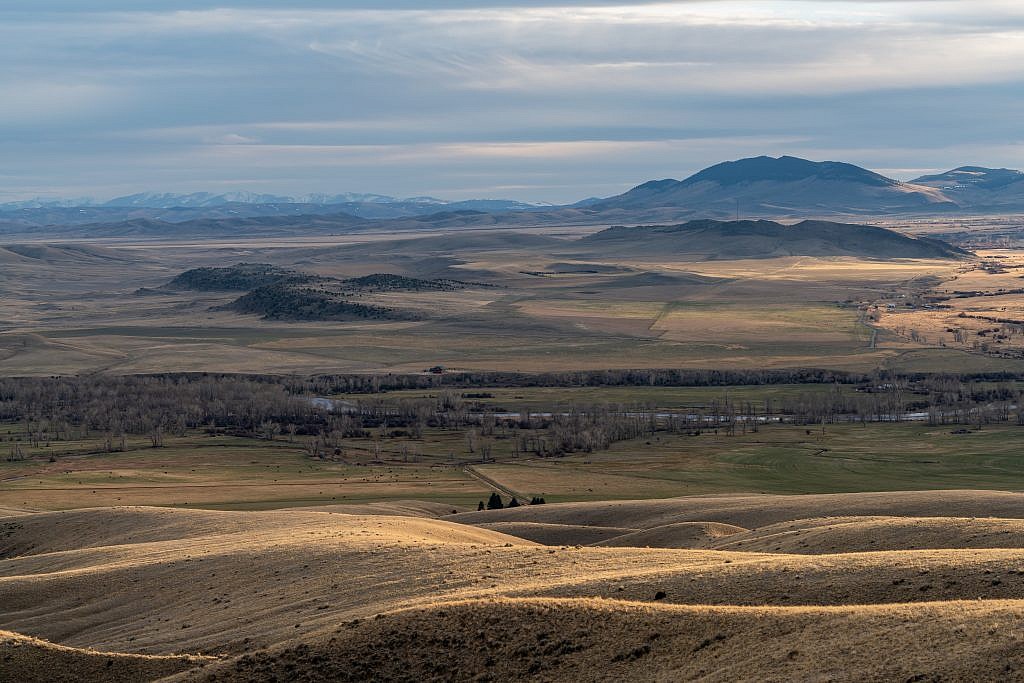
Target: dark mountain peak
<point>776,186</point>
<point>657,185</point>
<point>785,169</point>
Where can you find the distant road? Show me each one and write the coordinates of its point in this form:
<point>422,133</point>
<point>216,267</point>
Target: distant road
<point>500,488</point>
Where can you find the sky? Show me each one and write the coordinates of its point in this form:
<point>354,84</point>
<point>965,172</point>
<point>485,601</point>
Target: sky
<point>540,101</point>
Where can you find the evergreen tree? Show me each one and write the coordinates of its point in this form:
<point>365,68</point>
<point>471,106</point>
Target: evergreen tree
<point>494,502</point>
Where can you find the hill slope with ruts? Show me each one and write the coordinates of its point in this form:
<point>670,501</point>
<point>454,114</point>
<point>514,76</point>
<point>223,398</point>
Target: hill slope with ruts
<point>788,592</point>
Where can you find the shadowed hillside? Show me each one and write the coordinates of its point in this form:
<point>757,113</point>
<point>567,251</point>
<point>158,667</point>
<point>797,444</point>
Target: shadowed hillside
<point>31,660</point>
<point>765,239</point>
<point>600,640</point>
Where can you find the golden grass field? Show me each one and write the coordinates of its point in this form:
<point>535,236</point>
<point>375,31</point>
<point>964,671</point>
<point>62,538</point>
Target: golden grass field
<point>847,587</point>
<point>985,314</point>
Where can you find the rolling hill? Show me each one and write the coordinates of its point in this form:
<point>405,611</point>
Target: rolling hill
<point>709,239</point>
<point>734,587</point>
<point>204,206</point>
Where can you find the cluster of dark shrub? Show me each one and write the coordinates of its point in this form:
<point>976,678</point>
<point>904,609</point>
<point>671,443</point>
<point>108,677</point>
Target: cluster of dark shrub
<point>240,277</point>
<point>495,502</point>
<point>391,282</point>
<point>284,301</point>
<point>277,293</point>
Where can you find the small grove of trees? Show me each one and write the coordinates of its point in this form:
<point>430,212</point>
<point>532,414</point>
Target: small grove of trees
<point>495,502</point>
<point>153,407</point>
<point>64,406</point>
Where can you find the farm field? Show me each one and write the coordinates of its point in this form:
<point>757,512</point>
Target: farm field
<point>221,472</point>
<point>778,459</point>
<point>981,309</point>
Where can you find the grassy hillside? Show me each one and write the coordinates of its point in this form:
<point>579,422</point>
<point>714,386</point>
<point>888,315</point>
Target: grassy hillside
<point>294,594</point>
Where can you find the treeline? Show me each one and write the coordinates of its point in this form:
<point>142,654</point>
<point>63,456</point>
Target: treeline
<point>77,408</point>
<point>108,409</point>
<point>377,383</point>
<point>381,383</point>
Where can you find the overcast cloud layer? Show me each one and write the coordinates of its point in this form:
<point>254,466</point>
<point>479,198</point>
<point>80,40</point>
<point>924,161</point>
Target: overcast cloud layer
<point>493,99</point>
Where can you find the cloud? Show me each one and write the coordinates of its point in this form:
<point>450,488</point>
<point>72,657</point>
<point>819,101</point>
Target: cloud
<point>405,97</point>
<point>53,102</point>
<point>231,139</point>
<point>718,47</point>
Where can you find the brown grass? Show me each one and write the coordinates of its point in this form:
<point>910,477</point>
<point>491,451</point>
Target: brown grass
<point>752,511</point>
<point>295,595</point>
<point>679,535</point>
<point>600,640</point>
<point>31,660</point>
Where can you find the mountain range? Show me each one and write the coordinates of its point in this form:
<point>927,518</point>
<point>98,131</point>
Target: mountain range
<point>992,189</point>
<point>176,208</point>
<point>356,204</point>
<point>757,187</point>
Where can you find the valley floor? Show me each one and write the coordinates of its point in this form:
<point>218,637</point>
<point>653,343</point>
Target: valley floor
<point>531,302</point>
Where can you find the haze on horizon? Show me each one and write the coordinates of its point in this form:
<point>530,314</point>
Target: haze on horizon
<point>538,101</point>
